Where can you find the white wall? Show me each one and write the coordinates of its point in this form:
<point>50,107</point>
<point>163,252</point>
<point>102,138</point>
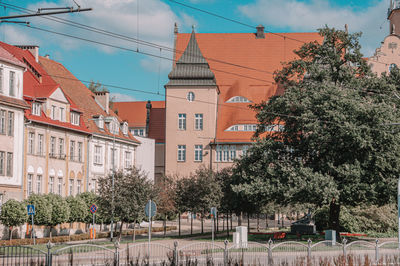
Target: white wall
<point>145,154</point>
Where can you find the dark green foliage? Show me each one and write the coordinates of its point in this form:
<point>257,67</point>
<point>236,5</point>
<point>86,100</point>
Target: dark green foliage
<point>78,209</point>
<point>335,141</point>
<point>90,198</point>
<point>13,213</point>
<point>43,209</point>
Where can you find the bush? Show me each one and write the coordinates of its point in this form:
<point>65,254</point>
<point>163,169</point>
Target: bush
<point>380,219</point>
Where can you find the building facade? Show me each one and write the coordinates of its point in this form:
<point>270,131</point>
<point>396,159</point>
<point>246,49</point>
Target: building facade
<point>12,107</point>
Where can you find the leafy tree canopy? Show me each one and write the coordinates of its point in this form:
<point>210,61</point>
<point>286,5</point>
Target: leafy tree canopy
<point>13,213</point>
<point>336,140</point>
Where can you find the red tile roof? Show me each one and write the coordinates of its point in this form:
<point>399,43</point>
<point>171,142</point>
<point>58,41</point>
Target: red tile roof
<point>244,49</point>
<point>135,112</point>
<point>9,58</point>
<point>39,85</point>
<point>82,97</point>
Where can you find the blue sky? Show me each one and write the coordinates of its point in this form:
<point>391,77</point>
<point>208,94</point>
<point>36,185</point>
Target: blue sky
<point>156,18</point>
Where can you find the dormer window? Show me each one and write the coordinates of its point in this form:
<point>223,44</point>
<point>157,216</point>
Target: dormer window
<point>75,118</point>
<point>36,108</point>
<point>12,84</point>
<point>125,128</point>
<point>113,127</point>
<point>238,99</point>
<point>100,122</point>
<point>53,112</point>
<point>62,114</point>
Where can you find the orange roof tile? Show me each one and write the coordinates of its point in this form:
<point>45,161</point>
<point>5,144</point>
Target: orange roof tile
<point>135,112</point>
<point>81,96</point>
<point>265,55</point>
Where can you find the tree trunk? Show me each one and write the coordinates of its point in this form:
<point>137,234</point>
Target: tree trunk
<point>227,225</point>
<point>11,229</point>
<point>202,222</point>
<point>334,213</point>
<point>258,222</point>
<point>240,219</point>
<point>223,222</point>
<point>231,221</point>
<point>217,222</point>
<point>179,224</point>
<point>165,225</point>
<point>120,232</point>
<point>248,223</point>
<point>191,223</point>
<point>51,231</point>
<point>134,231</point>
<point>266,221</point>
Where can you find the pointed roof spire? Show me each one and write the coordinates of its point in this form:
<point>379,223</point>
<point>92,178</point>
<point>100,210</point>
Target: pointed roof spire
<point>192,68</point>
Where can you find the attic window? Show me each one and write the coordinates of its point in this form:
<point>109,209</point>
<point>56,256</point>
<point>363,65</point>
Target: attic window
<point>238,99</point>
<point>125,128</point>
<point>243,127</point>
<point>36,108</point>
<point>113,127</point>
<point>99,122</point>
<point>75,118</point>
<point>190,96</point>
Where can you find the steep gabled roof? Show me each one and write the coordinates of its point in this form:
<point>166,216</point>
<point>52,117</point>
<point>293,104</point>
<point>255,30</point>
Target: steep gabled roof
<point>191,68</point>
<point>135,112</point>
<point>82,97</point>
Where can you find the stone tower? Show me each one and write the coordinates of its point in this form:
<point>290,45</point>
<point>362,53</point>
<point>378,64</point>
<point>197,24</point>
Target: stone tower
<point>394,17</point>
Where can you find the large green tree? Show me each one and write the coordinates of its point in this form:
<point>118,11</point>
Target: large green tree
<point>60,212</point>
<point>335,142</point>
<point>13,213</point>
<point>132,190</point>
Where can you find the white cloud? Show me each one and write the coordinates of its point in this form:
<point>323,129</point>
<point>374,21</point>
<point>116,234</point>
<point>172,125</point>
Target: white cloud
<point>308,16</point>
<point>120,97</point>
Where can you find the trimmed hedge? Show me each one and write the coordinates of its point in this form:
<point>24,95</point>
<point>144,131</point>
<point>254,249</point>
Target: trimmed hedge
<point>79,237</point>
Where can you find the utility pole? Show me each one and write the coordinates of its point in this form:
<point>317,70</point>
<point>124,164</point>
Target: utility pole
<point>112,190</point>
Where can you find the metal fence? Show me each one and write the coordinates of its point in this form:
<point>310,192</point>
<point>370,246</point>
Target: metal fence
<point>204,253</point>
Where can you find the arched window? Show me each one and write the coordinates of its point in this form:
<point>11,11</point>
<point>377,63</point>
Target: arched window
<point>238,99</point>
<point>190,96</point>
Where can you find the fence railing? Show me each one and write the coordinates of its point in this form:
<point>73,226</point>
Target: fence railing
<point>198,253</point>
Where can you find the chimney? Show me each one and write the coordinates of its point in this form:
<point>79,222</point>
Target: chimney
<point>260,32</point>
<point>103,98</point>
<point>47,56</point>
<point>148,107</point>
<point>34,49</point>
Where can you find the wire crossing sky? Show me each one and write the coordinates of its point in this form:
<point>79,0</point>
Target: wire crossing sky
<point>151,22</point>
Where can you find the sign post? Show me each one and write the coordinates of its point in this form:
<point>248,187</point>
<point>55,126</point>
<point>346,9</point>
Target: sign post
<point>31,211</point>
<point>93,209</point>
<point>213,214</point>
<point>150,211</point>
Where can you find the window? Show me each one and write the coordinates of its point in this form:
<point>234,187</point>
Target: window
<point>128,159</point>
<point>51,184</point>
<point>72,151</point>
<point>232,154</point>
<point>136,132</point>
<point>181,153</point>
<point>75,118</point>
<point>61,148</point>
<point>39,184</point>
<point>62,114</point>
<point>141,132</point>
<point>80,152</point>
<point>391,67</point>
<point>219,153</point>
<point>29,185</point>
<point>94,185</point>
<point>198,121</point>
<point>97,155</point>
<point>53,112</point>
<point>31,142</point>
<point>190,96</point>
<point>59,186</point>
<point>1,80</point>
<point>182,121</point>
<point>40,144</point>
<point>12,83</point>
<point>125,128</point>
<point>225,154</point>
<point>78,186</point>
<point>71,187</point>
<point>36,108</point>
<point>100,122</point>
<point>2,162</point>
<point>10,130</point>
<point>52,146</point>
<point>238,99</point>
<point>245,148</point>
<point>198,153</point>
<point>2,122</point>
<point>9,168</point>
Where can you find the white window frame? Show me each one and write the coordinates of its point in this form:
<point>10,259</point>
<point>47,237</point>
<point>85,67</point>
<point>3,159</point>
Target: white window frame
<point>11,91</point>
<point>62,114</point>
<point>53,146</point>
<point>198,122</point>
<point>232,152</point>
<point>61,148</point>
<point>128,159</point>
<point>51,184</point>
<point>39,184</point>
<point>40,144</point>
<point>72,150</point>
<point>238,99</point>
<point>80,147</point>
<point>31,142</point>
<point>36,108</point>
<point>182,121</point>
<point>218,153</point>
<point>10,124</point>
<point>190,96</point>
<point>29,187</point>
<point>198,153</point>
<point>71,187</point>
<point>98,150</point>
<point>2,162</point>
<point>9,164</point>
<point>75,118</point>
<point>1,80</point>
<point>3,122</point>
<point>53,112</point>
<point>181,153</point>
<point>59,186</point>
<point>225,153</point>
<point>78,187</point>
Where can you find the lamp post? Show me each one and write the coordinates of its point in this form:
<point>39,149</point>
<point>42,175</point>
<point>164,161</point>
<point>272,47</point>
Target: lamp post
<point>112,189</point>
